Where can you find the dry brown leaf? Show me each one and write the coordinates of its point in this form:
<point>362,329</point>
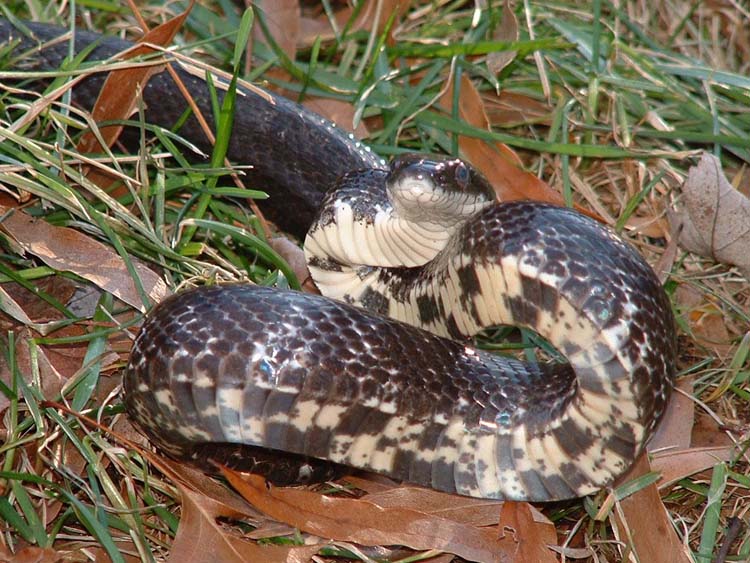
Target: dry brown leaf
<point>714,215</point>
<point>644,521</point>
<point>66,249</point>
<point>663,266</point>
<point>314,28</point>
<point>506,31</point>
<point>283,21</point>
<point>36,309</point>
<point>200,483</point>
<point>709,329</point>
<point>33,554</point>
<point>708,433</point>
<point>471,110</point>
<point>707,323</point>
<point>201,539</point>
<point>675,429</point>
<point>365,523</point>
<point>56,365</point>
<point>119,94</point>
<point>512,109</point>
<point>525,535</point>
<point>339,112</point>
<point>372,482</point>
<point>271,529</point>
<point>370,18</point>
<point>465,510</point>
<point>10,307</point>
<point>676,465</point>
<point>101,556</point>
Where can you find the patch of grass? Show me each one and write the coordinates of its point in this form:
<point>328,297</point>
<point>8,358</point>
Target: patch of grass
<point>632,96</point>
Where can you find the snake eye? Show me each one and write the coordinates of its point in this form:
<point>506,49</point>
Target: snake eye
<point>462,175</point>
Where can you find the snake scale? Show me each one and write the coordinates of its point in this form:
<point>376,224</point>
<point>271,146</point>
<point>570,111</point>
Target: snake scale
<point>415,258</point>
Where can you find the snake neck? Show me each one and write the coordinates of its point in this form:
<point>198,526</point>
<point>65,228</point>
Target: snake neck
<point>360,233</point>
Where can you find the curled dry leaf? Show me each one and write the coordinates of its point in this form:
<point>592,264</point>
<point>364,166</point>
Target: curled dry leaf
<point>66,249</point>
<point>295,257</point>
<point>195,480</point>
<point>33,554</point>
<point>512,109</point>
<point>54,365</point>
<point>714,215</point>
<point>314,28</point>
<point>120,93</point>
<point>708,324</point>
<point>709,432</point>
<point>365,523</point>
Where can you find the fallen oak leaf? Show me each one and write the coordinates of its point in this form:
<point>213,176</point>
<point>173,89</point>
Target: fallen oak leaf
<point>371,482</point>
<point>513,109</point>
<point>313,29</point>
<point>715,217</point>
<point>52,366</point>
<point>365,523</point>
<point>203,501</point>
<point>471,110</point>
<point>708,432</point>
<point>295,257</point>
<point>120,94</point>
<point>32,554</point>
<point>191,478</point>
<point>282,19</point>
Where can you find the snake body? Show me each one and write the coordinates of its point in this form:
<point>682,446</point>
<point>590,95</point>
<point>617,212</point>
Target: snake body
<point>236,368</point>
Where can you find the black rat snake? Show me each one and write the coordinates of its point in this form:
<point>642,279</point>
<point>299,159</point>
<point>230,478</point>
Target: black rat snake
<point>218,367</point>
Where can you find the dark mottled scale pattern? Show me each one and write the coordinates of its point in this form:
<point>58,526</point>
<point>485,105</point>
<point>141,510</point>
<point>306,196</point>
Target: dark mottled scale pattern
<point>422,393</point>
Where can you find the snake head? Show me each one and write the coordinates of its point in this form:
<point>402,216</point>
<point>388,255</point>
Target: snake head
<point>437,189</point>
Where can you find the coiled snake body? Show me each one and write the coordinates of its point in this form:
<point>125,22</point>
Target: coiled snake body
<point>242,366</point>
